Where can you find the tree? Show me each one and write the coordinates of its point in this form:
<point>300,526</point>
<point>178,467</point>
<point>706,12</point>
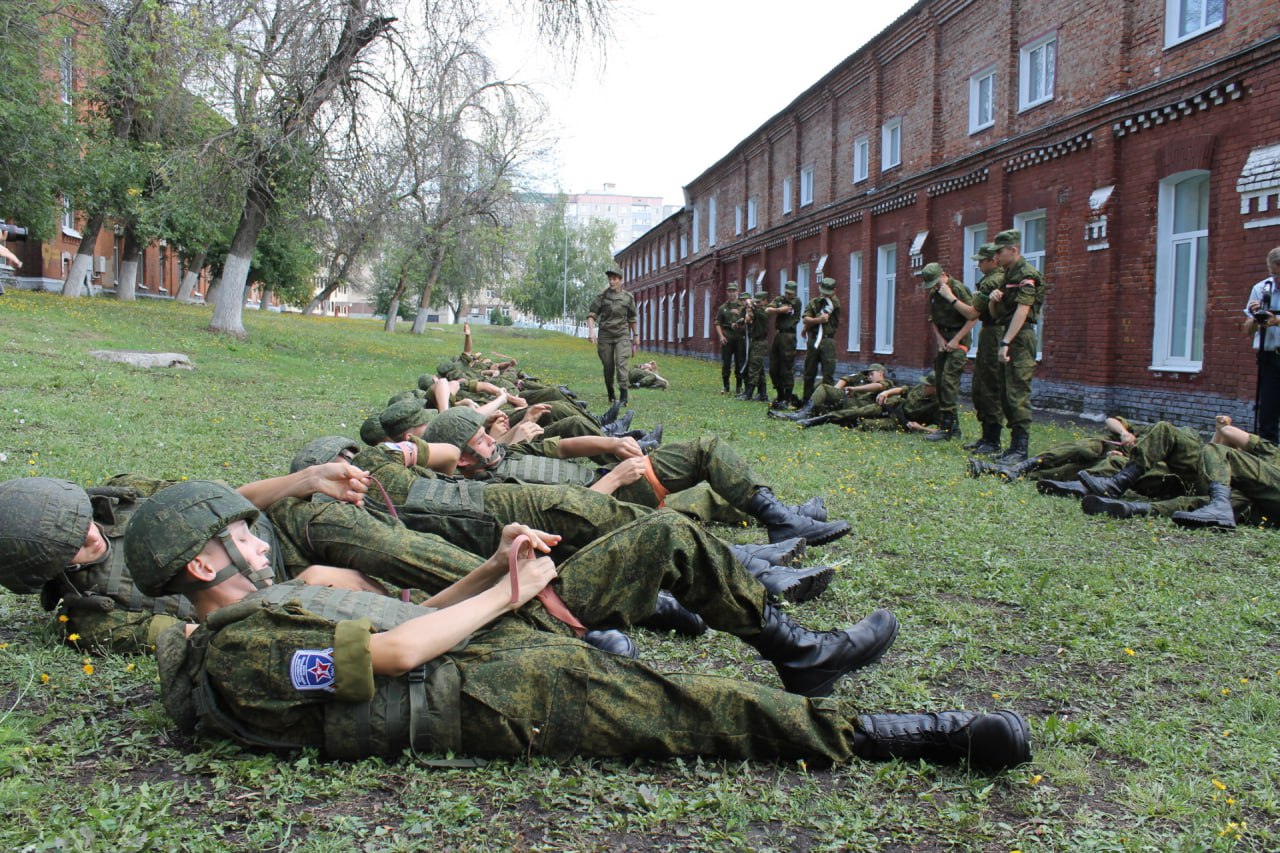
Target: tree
<point>563,265</point>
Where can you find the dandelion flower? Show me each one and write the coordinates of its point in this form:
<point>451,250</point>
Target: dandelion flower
<point>1130,652</point>
<point>44,678</point>
<point>73,637</point>
<point>1218,785</point>
<point>88,669</point>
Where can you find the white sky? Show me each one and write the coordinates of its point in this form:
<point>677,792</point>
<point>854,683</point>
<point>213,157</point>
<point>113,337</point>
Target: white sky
<point>683,81</point>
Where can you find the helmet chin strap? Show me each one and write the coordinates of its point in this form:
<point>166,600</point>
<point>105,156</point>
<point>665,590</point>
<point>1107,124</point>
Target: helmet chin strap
<point>239,566</point>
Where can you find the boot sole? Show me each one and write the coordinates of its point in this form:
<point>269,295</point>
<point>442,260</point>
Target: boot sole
<point>1098,505</point>
<point>809,587</point>
<point>841,531</point>
<point>1197,524</point>
<point>1043,487</point>
<point>827,686</point>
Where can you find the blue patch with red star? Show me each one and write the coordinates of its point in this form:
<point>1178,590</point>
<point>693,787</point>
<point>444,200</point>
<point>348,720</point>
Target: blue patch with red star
<point>312,669</point>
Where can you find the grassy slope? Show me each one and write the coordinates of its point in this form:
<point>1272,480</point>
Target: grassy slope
<point>1146,656</point>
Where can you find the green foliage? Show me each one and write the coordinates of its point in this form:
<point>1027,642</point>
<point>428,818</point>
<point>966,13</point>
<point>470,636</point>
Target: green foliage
<point>564,265</point>
<point>1144,655</point>
<point>497,318</point>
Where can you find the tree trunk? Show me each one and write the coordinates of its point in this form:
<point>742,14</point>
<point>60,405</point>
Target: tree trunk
<point>334,283</point>
<point>228,301</point>
<point>189,280</point>
<point>126,287</point>
<point>393,311</point>
<point>265,300</point>
<point>82,265</point>
<point>420,321</point>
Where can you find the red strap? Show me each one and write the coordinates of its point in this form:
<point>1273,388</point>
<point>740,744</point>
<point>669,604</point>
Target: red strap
<point>549,597</point>
<point>659,490</point>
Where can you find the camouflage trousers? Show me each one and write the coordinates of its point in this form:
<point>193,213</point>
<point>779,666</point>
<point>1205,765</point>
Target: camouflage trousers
<point>524,692</point>
<point>948,368</point>
<point>1014,378</point>
<point>782,364</point>
<point>1256,479</point>
<point>733,355</point>
<point>756,350</point>
<point>686,464</point>
<point>613,358</point>
<point>823,355</point>
<point>986,377</point>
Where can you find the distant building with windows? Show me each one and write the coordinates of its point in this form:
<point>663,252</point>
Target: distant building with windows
<point>632,215</point>
<point>1136,146</point>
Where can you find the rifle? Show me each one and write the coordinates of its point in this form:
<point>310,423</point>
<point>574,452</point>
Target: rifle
<point>827,308</point>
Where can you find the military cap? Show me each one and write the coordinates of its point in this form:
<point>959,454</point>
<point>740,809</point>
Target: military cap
<point>612,272</point>
<point>43,523</point>
<point>827,285</point>
<point>455,426</point>
<point>172,526</point>
<point>929,379</point>
<point>371,431</point>
<point>789,287</point>
<point>876,366</point>
<point>426,380</point>
<point>744,294</point>
<point>399,418</point>
<point>986,252</point>
<point>1012,237</point>
<point>447,366</point>
<point>321,450</point>
<point>733,285</point>
<point>401,395</point>
<point>930,274</point>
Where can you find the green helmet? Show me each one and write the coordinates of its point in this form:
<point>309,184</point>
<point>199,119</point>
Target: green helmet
<point>402,395</point>
<point>43,523</point>
<point>426,381</point>
<point>172,527</point>
<point>371,431</point>
<point>455,426</point>
<point>321,450</point>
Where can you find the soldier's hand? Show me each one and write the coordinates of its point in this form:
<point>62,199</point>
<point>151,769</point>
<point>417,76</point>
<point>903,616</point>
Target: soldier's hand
<point>341,481</point>
<point>534,575</point>
<point>591,337</point>
<point>629,471</point>
<point>526,431</point>
<point>882,397</point>
<point>534,413</point>
<point>1004,355</point>
<point>538,542</point>
<point>518,402</point>
<point>995,295</point>
<point>627,448</point>
<point>635,347</point>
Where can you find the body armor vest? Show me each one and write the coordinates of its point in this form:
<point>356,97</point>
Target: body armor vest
<point>546,471</point>
<point>452,510</point>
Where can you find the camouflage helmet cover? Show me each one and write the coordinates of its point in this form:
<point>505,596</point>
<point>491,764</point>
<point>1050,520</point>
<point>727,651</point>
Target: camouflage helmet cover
<point>455,426</point>
<point>321,450</point>
<point>43,523</point>
<point>371,431</point>
<point>171,528</point>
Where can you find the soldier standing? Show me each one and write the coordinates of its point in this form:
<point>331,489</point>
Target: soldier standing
<point>821,322</point>
<point>785,311</point>
<point>951,317</point>
<point>1015,309</point>
<point>615,309</point>
<point>757,322</point>
<point>986,387</point>
<point>730,328</point>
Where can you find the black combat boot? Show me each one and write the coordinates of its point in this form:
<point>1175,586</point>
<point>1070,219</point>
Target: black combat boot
<point>780,405</point>
<point>670,615</point>
<point>1019,441</point>
<point>1115,485</point>
<point>989,443</point>
<point>816,420</point>
<point>762,395</point>
<point>811,662</point>
<point>784,524</point>
<point>745,394</point>
<point>1062,488</point>
<point>775,553</point>
<point>1114,507</point>
<point>612,641</point>
<point>986,741</point>
<point>813,508</point>
<point>737,385</point>
<point>651,440</point>
<point>622,397</point>
<point>1217,513</point>
<point>808,410</point>
<point>610,414</point>
<point>950,428</point>
<point>567,391</point>
<point>796,585</point>
<point>981,467</point>
<point>1017,471</point>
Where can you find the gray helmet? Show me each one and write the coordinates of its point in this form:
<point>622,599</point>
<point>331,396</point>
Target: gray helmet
<point>43,523</point>
<point>321,450</point>
<point>172,527</point>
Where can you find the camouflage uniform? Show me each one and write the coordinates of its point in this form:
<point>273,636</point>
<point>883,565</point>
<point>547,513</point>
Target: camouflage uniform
<point>614,313</point>
<point>1021,284</point>
<point>638,378</point>
<point>829,398</point>
<point>733,352</point>
<point>782,352</point>
<point>986,368</point>
<point>823,353</point>
<point>757,347</point>
<point>948,367</point>
<point>914,404</point>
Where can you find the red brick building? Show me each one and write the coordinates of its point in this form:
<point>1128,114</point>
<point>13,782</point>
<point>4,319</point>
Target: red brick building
<point>1136,145</point>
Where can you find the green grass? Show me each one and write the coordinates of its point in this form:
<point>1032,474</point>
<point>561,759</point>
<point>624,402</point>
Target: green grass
<point>1145,656</point>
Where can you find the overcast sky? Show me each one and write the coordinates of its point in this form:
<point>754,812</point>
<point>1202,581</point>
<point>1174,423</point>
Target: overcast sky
<point>683,82</point>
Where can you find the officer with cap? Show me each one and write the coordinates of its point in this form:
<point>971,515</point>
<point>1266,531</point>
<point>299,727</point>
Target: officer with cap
<point>821,322</point>
<point>785,311</point>
<point>615,312</point>
<point>951,317</point>
<point>358,674</point>
<point>986,368</point>
<point>1015,309</point>
<point>757,322</point>
<point>733,342</point>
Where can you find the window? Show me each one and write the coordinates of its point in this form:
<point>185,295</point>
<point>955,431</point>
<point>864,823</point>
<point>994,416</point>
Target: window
<point>886,295</point>
<point>974,237</point>
<point>1182,266</point>
<point>711,221</point>
<point>684,245</point>
<point>706,313</point>
<point>806,186</point>
<point>1032,226</point>
<point>982,100</point>
<point>751,213</point>
<point>891,144</point>
<point>697,228</point>
<point>853,308</point>
<point>861,158</point>
<point>671,319</point>
<point>66,70</point>
<point>68,216</point>
<point>689,302</point>
<point>737,219</point>
<point>1035,71</point>
<point>786,195</point>
<point>1184,19</point>
<point>802,293</point>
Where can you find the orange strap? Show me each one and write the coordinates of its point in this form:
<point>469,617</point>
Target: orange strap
<point>549,597</point>
<point>659,490</point>
<point>964,349</point>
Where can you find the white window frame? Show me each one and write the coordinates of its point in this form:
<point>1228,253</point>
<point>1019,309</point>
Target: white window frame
<point>706,313</point>
<point>66,70</point>
<point>853,308</point>
<point>978,119</point>
<point>802,293</point>
<point>861,159</point>
<point>684,245</point>
<point>753,209</point>
<point>891,144</point>
<point>1047,46</point>
<point>1167,245</point>
<point>711,222</point>
<point>1036,257</point>
<point>737,219</point>
<point>68,217</point>
<point>1173,15</point>
<point>689,325</point>
<point>786,194</point>
<point>886,296</point>
<point>806,185</point>
<point>974,237</point>
<point>671,319</point>
<point>697,230</point>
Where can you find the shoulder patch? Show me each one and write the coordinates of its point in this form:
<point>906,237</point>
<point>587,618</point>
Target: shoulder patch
<point>312,669</point>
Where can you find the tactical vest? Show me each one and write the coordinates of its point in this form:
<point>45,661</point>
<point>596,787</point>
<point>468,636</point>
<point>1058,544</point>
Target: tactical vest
<point>546,471</point>
<point>419,710</point>
<point>452,510</point>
